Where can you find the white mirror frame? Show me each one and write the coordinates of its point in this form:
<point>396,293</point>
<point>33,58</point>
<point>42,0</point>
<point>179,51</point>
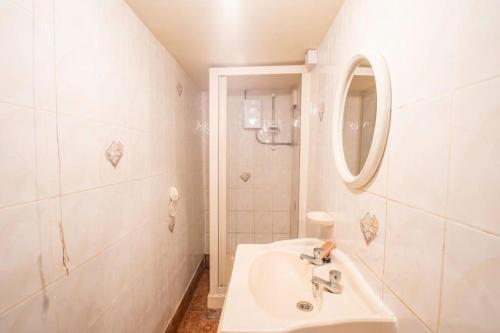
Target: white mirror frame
<point>382,119</point>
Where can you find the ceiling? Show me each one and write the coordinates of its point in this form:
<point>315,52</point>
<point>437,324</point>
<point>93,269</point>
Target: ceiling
<point>204,33</point>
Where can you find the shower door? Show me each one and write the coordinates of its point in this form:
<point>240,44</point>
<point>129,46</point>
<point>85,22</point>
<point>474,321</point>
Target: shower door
<point>222,174</point>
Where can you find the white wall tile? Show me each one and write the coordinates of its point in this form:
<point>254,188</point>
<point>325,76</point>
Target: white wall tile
<point>282,178</point>
<point>476,48</point>
<point>245,238</point>
<point>232,200</point>
<point>263,178</point>
<point>94,219</point>
<point>282,157</point>
<point>426,57</point>
<point>370,277</point>
<point>95,285</point>
<point>37,314</point>
<point>231,243</point>
<point>474,178</point>
<point>91,47</point>
<point>413,259</point>
<point>141,153</point>
<point>17,151</point>
<point>281,222</point>
<point>47,154</point>
<point>245,221</point>
<point>270,169</point>
<point>263,200</point>
<point>439,158</point>
<point>347,230</point>
<point>407,321</point>
<point>119,317</point>
<point>16,63</point>
<point>114,82</point>
<point>419,153</point>
<point>244,200</point>
<point>470,283</point>
<point>264,222</point>
<point>26,238</point>
<point>263,238</point>
<point>231,221</point>
<point>82,145</point>
<point>281,200</point>
<point>280,237</point>
<point>43,56</point>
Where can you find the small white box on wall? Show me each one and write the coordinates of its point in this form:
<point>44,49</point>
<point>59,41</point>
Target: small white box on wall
<point>311,58</point>
<point>252,114</point>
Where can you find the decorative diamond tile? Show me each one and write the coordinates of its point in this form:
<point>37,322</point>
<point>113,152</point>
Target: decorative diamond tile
<point>114,153</point>
<point>245,176</point>
<point>369,227</point>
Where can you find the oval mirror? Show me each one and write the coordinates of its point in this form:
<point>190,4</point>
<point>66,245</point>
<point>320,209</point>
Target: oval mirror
<point>361,120</point>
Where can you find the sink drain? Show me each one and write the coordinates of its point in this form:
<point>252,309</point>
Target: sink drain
<point>304,306</point>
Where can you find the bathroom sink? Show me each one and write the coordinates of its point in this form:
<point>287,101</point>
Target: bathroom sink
<point>277,282</point>
<point>271,291</point>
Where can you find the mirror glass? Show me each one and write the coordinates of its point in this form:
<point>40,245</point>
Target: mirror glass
<point>360,109</point>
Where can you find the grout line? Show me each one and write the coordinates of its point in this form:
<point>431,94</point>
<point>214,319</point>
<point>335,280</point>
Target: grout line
<point>135,180</point>
<point>448,179</point>
<point>407,307</point>
<point>388,152</point>
<point>446,92</point>
<point>55,96</point>
<point>102,251</point>
<point>153,130</point>
<point>406,204</point>
<point>375,274</point>
<point>448,175</point>
<point>465,225</point>
<point>462,223</point>
<point>441,280</point>
<point>128,181</point>
<point>386,226</point>
<point>385,285</point>
<point>20,105</point>
<point>109,306</point>
<point>36,162</point>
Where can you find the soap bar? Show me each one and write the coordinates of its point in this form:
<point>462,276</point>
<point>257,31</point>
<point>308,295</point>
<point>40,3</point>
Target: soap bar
<point>328,247</point>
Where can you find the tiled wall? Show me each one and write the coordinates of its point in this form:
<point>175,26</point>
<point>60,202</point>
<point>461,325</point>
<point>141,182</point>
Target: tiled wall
<point>436,261</point>
<point>259,210</point>
<point>204,127</point>
<point>74,76</point>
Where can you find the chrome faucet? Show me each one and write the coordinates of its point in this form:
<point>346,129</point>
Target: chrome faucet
<point>316,259</point>
<point>332,286</point>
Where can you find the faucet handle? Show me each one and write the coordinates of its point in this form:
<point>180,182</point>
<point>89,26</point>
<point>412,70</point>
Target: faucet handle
<point>335,276</point>
<point>317,252</point>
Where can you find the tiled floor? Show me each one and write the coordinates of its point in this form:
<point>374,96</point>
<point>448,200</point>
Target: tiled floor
<point>195,319</point>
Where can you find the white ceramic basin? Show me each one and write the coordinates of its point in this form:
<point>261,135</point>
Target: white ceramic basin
<point>269,280</point>
<point>276,279</point>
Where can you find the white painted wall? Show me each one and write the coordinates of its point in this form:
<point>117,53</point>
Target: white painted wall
<point>74,76</point>
<point>436,261</point>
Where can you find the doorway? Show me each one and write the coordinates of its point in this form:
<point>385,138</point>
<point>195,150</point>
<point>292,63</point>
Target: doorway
<point>258,145</point>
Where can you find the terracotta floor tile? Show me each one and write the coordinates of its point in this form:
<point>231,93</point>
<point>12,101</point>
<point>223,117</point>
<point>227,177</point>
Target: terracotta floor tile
<point>195,319</point>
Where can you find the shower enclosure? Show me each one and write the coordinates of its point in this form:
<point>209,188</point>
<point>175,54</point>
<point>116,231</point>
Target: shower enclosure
<point>258,150</point>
